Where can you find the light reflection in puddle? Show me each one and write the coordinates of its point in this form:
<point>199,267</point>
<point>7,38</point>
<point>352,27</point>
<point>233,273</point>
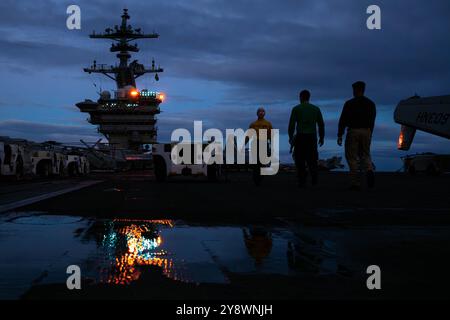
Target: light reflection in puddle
<point>204,254</point>
<point>131,244</point>
<point>119,251</point>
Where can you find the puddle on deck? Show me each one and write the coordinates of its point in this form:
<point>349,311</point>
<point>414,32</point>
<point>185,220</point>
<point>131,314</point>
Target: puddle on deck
<point>37,249</point>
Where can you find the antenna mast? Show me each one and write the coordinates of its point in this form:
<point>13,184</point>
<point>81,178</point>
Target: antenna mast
<point>124,74</point>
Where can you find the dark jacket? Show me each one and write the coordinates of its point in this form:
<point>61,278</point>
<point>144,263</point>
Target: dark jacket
<point>359,112</point>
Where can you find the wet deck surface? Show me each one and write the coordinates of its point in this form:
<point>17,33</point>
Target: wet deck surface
<point>17,194</point>
<point>134,238</point>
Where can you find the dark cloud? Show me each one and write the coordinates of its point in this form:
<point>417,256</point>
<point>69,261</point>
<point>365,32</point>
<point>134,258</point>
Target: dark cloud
<point>265,50</point>
<point>41,55</point>
<point>43,131</point>
<point>273,52</point>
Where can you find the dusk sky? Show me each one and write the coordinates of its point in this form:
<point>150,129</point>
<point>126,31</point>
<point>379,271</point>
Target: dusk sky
<point>225,58</point>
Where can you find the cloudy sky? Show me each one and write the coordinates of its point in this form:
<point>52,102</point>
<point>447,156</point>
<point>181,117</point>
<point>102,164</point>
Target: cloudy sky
<point>225,58</point>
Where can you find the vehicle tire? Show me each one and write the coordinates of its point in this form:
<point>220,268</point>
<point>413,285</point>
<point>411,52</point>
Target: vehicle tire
<point>61,170</point>
<point>211,173</point>
<point>160,169</point>
<point>47,170</point>
<point>43,169</point>
<point>73,170</point>
<point>19,169</point>
<point>412,170</point>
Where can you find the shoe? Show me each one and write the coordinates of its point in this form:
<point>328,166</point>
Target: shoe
<point>370,179</point>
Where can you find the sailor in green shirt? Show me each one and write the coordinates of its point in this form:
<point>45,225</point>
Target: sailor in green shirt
<point>305,118</point>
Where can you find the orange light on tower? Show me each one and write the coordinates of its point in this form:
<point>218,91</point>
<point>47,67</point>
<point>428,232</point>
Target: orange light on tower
<point>134,93</point>
<point>161,97</point>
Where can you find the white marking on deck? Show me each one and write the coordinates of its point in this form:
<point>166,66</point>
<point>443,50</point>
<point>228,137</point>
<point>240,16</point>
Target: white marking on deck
<point>45,196</point>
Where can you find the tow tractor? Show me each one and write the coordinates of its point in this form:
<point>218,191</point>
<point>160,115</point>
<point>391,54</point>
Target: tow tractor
<point>164,167</point>
<point>430,163</point>
<point>48,161</point>
<point>15,158</point>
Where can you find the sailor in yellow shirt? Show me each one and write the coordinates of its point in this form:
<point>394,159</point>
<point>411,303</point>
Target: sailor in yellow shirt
<point>261,123</point>
<point>257,125</point>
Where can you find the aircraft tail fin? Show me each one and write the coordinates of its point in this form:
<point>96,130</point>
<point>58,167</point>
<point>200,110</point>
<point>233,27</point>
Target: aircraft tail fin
<point>406,137</point>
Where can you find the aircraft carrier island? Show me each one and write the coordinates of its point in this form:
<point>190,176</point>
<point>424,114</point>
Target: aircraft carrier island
<point>196,232</point>
<point>126,117</point>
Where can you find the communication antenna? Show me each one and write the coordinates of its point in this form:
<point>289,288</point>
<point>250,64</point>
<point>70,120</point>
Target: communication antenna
<point>99,91</point>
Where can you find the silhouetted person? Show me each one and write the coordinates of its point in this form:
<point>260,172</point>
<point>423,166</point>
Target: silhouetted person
<point>305,118</point>
<point>257,125</point>
<point>358,116</point>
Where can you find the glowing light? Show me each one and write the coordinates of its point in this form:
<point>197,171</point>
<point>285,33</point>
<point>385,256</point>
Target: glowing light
<point>400,140</point>
<point>134,93</point>
<point>140,248</point>
<point>161,96</point>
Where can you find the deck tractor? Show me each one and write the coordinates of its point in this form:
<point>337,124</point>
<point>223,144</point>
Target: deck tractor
<point>48,162</point>
<point>15,159</point>
<point>77,165</point>
<point>164,166</point>
<point>429,163</point>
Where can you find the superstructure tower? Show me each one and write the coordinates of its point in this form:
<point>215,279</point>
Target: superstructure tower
<point>126,117</point>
